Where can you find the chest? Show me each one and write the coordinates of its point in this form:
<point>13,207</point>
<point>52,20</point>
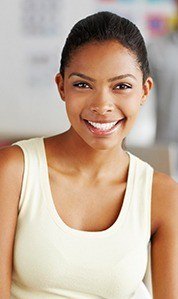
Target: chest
<point>88,207</point>
<point>109,267</point>
<point>92,207</point>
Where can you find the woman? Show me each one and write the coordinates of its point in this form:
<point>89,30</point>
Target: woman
<point>76,216</point>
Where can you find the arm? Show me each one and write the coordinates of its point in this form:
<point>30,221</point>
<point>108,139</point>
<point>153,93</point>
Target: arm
<point>11,171</point>
<point>164,242</point>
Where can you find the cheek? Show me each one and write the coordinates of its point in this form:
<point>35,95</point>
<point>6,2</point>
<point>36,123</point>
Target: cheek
<point>75,103</point>
<point>131,107</point>
<point>73,109</point>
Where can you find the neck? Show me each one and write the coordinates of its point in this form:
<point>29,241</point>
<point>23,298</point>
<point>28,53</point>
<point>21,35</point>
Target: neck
<point>93,163</point>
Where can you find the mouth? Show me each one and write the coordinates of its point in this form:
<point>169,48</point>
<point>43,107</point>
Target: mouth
<point>103,129</point>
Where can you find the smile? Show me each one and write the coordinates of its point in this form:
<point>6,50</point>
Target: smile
<point>103,128</point>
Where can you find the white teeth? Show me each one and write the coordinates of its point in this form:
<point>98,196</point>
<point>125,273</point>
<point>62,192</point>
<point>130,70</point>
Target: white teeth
<point>103,126</point>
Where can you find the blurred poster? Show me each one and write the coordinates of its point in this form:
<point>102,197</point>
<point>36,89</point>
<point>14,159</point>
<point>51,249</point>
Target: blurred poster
<point>41,17</point>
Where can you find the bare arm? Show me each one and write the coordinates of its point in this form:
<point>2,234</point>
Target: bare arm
<point>11,172</point>
<point>164,243</point>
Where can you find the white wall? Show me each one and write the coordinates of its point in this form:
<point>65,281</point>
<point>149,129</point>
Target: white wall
<point>32,35</point>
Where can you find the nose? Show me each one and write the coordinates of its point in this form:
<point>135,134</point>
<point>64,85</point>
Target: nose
<point>102,106</point>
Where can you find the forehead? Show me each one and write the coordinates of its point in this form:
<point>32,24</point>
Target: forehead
<point>104,57</point>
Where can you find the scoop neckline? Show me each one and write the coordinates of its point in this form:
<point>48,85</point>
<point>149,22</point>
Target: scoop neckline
<point>46,189</point>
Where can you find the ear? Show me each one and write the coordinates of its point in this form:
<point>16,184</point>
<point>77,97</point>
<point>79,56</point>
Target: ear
<point>147,86</point>
<point>60,85</point>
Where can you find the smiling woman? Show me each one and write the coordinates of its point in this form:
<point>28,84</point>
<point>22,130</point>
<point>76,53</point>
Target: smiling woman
<point>78,213</point>
<point>106,80</point>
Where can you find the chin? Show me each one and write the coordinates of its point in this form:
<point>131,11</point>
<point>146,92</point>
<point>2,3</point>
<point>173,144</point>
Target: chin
<point>104,146</point>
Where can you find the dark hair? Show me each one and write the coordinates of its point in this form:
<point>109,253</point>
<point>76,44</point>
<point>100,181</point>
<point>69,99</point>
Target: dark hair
<point>104,26</point>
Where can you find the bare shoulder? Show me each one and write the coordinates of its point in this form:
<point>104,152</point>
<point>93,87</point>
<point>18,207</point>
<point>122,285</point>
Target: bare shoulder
<point>164,241</point>
<point>164,198</point>
<point>11,154</point>
<point>11,172</point>
<point>11,166</point>
<point>164,185</point>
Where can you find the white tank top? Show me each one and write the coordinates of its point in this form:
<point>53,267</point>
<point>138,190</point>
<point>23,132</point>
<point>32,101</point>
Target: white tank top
<point>52,260</point>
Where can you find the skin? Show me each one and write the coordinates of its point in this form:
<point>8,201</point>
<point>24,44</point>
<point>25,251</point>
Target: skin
<point>101,101</point>
<point>96,166</point>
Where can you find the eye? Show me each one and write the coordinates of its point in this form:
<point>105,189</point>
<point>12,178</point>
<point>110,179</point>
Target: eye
<point>81,85</point>
<point>122,86</point>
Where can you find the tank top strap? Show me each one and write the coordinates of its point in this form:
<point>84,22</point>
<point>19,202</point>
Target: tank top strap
<point>32,162</point>
<point>141,210</point>
<point>142,195</point>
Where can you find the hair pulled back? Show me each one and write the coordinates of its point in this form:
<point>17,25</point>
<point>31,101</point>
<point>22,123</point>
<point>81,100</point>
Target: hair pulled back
<point>105,26</point>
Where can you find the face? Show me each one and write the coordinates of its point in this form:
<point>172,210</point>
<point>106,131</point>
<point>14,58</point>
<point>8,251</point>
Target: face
<point>103,90</point>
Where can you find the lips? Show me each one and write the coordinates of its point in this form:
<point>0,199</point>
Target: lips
<point>102,121</point>
<point>103,128</point>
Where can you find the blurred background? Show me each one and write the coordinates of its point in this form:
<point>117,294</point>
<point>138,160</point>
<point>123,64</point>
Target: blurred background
<point>33,33</point>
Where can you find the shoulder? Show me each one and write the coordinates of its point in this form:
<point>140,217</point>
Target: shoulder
<point>164,241</point>
<point>162,181</point>
<point>11,171</point>
<point>11,165</point>
<point>11,155</point>
<point>164,199</point>
<point>164,186</point>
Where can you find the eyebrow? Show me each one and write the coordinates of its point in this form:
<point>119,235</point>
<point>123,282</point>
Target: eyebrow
<point>109,80</point>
